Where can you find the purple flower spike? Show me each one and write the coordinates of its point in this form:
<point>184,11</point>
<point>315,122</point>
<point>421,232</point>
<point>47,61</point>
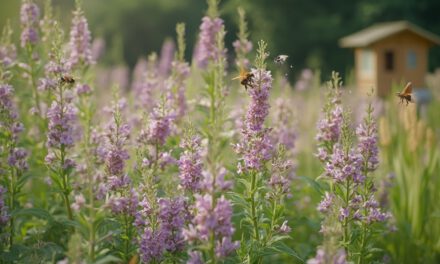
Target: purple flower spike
<point>206,47</point>
<point>29,18</point>
<point>80,41</point>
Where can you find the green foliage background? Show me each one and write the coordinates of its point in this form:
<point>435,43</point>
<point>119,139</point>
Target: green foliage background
<point>306,30</point>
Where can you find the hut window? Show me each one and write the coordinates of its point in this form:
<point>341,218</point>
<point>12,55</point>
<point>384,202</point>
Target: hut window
<point>411,59</point>
<point>367,61</point>
<point>389,60</point>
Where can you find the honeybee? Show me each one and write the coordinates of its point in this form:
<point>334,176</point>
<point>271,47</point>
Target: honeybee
<point>406,94</point>
<point>246,78</point>
<point>280,59</point>
<point>67,79</point>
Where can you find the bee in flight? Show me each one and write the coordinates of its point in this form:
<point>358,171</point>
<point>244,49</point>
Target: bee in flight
<point>246,78</point>
<point>280,59</point>
<point>67,79</point>
<point>406,94</point>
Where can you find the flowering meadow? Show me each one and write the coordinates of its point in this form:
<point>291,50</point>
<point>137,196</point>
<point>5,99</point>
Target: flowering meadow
<point>177,162</point>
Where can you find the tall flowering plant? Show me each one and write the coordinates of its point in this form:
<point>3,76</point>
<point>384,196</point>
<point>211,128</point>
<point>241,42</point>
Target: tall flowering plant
<point>261,165</point>
<point>13,158</point>
<point>350,157</point>
<point>210,231</point>
<point>62,116</point>
<point>122,198</point>
<point>30,36</point>
<point>242,45</point>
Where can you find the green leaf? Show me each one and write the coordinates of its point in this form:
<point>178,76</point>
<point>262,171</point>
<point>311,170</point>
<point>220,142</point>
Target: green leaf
<point>283,248</point>
<point>108,259</point>
<point>35,212</point>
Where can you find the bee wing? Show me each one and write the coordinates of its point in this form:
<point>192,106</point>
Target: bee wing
<point>236,78</point>
<point>408,88</point>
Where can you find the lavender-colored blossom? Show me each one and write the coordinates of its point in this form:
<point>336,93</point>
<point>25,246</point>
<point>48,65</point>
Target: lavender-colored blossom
<point>172,219</point>
<point>319,258</point>
<point>181,73</point>
<point>146,81</point>
<point>256,146</point>
<point>259,106</point>
<point>8,112</point>
<point>29,17</point>
<point>242,47</point>
<point>323,257</point>
<point>82,89</point>
<point>62,118</point>
<point>329,128</point>
<point>255,149</point>
<point>342,166</point>
<point>46,84</point>
<point>166,235</point>
<point>285,228</point>
<point>120,75</point>
<point>159,128</point>
<point>190,164</point>
<point>212,221</point>
<point>4,214</point>
<point>98,48</point>
<point>281,177</point>
<point>225,247</point>
<point>151,245</point>
<point>7,106</point>
<point>367,144</point>
<point>166,57</point>
<point>194,258</point>
<point>117,182</point>
<point>126,205</point>
<point>209,184</point>
<point>115,161</point>
<point>8,54</point>
<point>374,213</point>
<point>139,72</point>
<point>9,125</point>
<point>17,159</point>
<point>207,46</point>
<point>283,133</point>
<point>305,80</point>
<point>340,258</point>
<point>166,159</point>
<point>344,213</point>
<point>80,39</point>
<point>79,202</point>
<point>325,204</point>
<point>116,155</point>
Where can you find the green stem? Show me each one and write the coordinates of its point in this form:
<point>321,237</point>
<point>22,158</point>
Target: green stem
<point>11,207</point>
<point>127,239</point>
<point>66,189</point>
<point>253,209</point>
<point>92,235</point>
<point>347,198</point>
<point>272,222</point>
<point>364,234</point>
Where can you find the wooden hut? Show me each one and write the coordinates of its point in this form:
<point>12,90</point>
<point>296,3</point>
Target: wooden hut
<point>388,53</point>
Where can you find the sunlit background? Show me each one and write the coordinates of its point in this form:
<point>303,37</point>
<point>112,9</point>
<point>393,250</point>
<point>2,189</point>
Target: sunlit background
<point>309,32</point>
